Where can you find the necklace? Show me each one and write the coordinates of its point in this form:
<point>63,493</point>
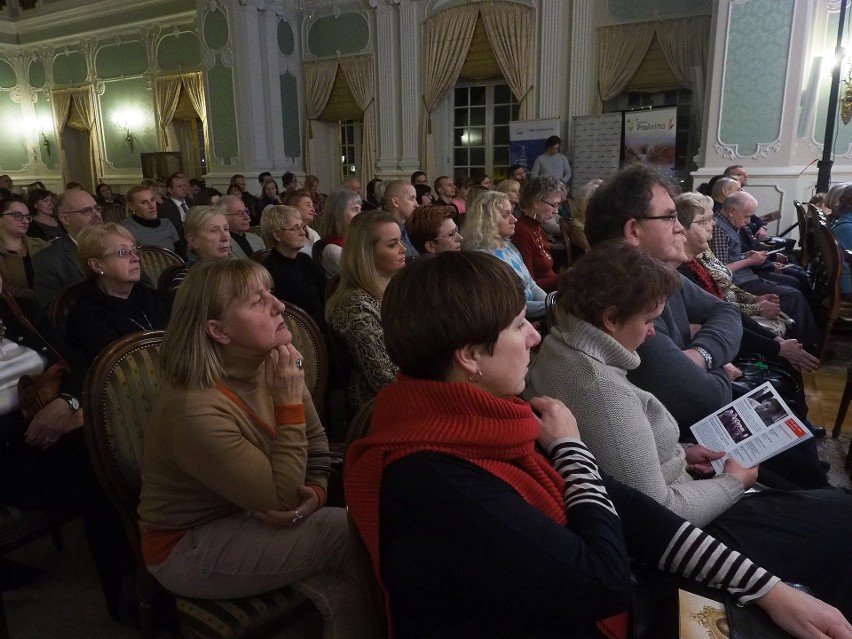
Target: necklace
<point>150,327</point>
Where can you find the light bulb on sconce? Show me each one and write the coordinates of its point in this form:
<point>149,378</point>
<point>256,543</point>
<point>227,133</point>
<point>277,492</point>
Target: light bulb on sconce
<point>45,142</point>
<point>126,120</point>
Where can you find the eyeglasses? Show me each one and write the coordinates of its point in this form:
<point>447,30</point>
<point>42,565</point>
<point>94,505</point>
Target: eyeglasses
<point>242,213</point>
<point>451,235</point>
<point>124,253</point>
<point>553,205</point>
<point>18,216</point>
<point>89,211</point>
<point>296,229</point>
<point>670,219</point>
<point>705,223</point>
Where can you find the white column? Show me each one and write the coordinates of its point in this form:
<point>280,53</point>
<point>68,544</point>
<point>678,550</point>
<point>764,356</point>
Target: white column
<point>387,37</point>
<point>582,74</point>
<point>410,89</point>
<point>550,45</point>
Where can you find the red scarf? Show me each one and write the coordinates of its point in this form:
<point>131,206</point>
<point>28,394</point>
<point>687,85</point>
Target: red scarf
<point>706,280</point>
<point>335,239</point>
<point>497,435</point>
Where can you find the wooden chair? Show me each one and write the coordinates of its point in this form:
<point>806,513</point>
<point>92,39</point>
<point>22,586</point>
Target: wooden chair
<point>165,280</point>
<point>805,234</point>
<point>156,259</point>
<point>826,270</point>
<point>550,309</point>
<point>114,212</point>
<point>62,305</point>
<point>565,228</point>
<point>118,398</point>
<point>847,390</point>
<point>309,341</point>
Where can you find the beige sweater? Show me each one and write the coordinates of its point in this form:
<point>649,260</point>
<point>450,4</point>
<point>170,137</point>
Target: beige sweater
<point>205,457</point>
<point>628,430</point>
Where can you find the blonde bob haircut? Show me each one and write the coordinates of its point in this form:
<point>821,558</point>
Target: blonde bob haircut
<point>480,223</point>
<point>690,205</point>
<point>90,242</point>
<point>189,357</point>
<point>276,218</point>
<point>198,216</point>
<point>358,266</point>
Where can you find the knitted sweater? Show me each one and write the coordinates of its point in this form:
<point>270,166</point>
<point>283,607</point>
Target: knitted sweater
<point>531,242</point>
<point>630,432</point>
<point>205,457</point>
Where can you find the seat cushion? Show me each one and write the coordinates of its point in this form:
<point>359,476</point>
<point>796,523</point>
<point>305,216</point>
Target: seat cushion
<point>247,617</point>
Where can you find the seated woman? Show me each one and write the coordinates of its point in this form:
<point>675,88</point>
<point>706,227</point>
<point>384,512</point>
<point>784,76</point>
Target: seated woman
<point>269,193</point>
<point>104,195</point>
<point>296,278</point>
<point>145,226</point>
<point>431,229</point>
<point>584,362</point>
<point>374,253</point>
<point>17,248</point>
<point>44,463</point>
<point>207,196</point>
<point>841,226</point>
<point>463,185</point>
<point>450,468</point>
<point>303,202</point>
<point>695,214</point>
<point>539,202</point>
<point>207,237</point>
<point>112,303</point>
<point>512,188</point>
<point>341,206</point>
<point>488,227</point>
<point>230,506</point>
<point>423,193</point>
<point>312,187</point>
<point>42,206</point>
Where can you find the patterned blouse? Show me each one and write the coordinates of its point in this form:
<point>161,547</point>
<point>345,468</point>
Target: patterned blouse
<point>357,321</point>
<point>535,294</point>
<point>743,300</point>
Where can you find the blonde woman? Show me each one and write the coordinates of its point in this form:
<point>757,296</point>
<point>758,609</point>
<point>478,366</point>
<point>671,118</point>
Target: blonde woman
<point>208,238</point>
<point>511,188</point>
<point>374,253</point>
<point>489,227</point>
<point>230,506</point>
<point>17,249</point>
<point>296,277</point>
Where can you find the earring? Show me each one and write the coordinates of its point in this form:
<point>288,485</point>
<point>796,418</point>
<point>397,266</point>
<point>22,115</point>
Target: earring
<point>100,272</point>
<point>476,377</point>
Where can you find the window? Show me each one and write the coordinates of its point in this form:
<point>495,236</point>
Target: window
<point>481,116</point>
<point>350,142</point>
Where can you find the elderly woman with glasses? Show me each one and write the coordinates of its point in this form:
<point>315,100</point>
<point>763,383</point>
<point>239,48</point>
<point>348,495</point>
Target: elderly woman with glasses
<point>489,227</point>
<point>296,277</point>
<point>431,229</point>
<point>17,249</point>
<point>111,303</point>
<point>539,202</point>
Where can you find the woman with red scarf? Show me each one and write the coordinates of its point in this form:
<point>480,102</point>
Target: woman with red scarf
<point>474,533</point>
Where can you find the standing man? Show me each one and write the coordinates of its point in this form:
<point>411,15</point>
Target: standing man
<point>175,206</point>
<point>552,163</point>
<point>58,266</point>
<point>400,201</point>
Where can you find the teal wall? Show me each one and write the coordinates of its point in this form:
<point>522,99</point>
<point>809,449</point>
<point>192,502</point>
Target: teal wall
<point>629,10</point>
<point>121,96</point>
<point>348,33</point>
<point>44,113</point>
<point>842,133</point>
<point>755,73</point>
<point>70,68</point>
<point>222,120</point>
<point>176,53</point>
<point>13,150</point>
<point>290,116</point>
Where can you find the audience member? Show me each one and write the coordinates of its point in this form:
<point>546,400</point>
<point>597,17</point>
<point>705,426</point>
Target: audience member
<point>375,195</point>
<point>145,226</point>
<point>44,225</point>
<point>539,202</point>
<point>249,200</point>
<point>480,178</point>
<point>423,193</point>
<point>208,239</point>
<point>304,204</point>
<point>269,194</point>
<point>207,196</point>
<point>432,229</point>
<point>583,363</point>
<point>296,277</point>
<point>445,191</point>
<point>419,177</point>
<point>17,249</point>
<point>230,505</point>
<point>175,207</point>
<point>289,182</point>
<point>518,172</point>
<point>112,303</point>
<point>195,187</point>
<point>57,266</point>
<point>341,206</point>
<point>373,254</point>
<point>552,163</point>
<point>489,227</point>
<point>512,188</point>
<point>721,189</point>
<point>460,200</point>
<point>312,187</point>
<point>243,243</point>
<point>104,195</point>
<point>400,201</point>
<point>842,229</point>
<point>451,437</point>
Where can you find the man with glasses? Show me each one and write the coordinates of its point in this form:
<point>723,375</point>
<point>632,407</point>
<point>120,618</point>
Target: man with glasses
<point>239,222</point>
<point>690,374</point>
<point>57,266</point>
<point>400,201</point>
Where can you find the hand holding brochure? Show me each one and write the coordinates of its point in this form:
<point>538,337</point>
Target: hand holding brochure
<point>751,429</point>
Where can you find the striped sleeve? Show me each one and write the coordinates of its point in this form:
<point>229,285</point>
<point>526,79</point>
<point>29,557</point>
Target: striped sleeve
<point>694,554</point>
<point>579,469</point>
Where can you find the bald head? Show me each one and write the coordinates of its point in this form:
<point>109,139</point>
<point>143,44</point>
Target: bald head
<point>77,209</point>
<point>400,199</point>
<point>738,208</point>
<point>724,187</point>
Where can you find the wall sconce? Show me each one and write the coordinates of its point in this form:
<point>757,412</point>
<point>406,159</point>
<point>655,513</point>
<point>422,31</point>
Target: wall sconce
<point>126,120</point>
<point>40,126</point>
<point>45,142</point>
<point>846,98</point>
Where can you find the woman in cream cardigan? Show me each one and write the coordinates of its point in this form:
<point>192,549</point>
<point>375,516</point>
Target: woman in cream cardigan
<point>584,362</point>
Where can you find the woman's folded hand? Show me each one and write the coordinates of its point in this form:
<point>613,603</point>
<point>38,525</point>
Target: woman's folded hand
<point>287,518</point>
<point>555,419</point>
<point>285,375</point>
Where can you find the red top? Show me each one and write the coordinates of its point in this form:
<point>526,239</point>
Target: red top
<point>531,242</point>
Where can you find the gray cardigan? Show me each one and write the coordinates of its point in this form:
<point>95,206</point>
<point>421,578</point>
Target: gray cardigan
<point>632,435</point>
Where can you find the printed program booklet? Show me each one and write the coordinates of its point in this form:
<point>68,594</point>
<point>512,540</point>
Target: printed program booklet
<point>751,429</point>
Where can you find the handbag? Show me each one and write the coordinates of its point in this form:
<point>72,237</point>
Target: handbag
<point>37,391</point>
